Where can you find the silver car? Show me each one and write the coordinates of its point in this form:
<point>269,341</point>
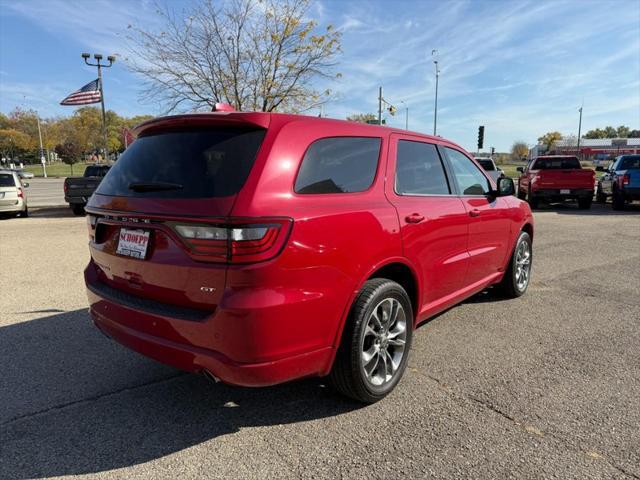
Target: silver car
<point>490,167</point>
<point>12,197</point>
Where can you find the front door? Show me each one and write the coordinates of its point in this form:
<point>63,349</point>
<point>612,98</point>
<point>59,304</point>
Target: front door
<point>488,217</point>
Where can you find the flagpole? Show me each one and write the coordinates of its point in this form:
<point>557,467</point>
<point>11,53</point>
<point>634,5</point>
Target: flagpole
<point>111,59</point>
<point>104,116</point>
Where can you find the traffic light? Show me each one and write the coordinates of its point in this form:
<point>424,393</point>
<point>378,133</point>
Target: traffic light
<point>493,150</point>
<point>392,110</point>
<point>480,137</point>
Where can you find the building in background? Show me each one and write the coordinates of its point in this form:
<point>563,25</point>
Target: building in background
<point>596,150</point>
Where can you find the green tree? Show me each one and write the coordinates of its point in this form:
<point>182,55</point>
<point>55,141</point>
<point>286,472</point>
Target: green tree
<point>263,55</point>
<point>13,143</point>
<point>519,149</point>
<point>70,153</point>
<point>634,134</point>
<point>549,139</point>
<point>363,117</point>
<point>623,131</point>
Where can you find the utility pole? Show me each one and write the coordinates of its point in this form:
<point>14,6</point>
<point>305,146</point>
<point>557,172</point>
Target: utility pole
<point>380,106</point>
<point>42,160</point>
<point>434,53</point>
<point>406,114</point>
<point>579,130</point>
<point>100,66</point>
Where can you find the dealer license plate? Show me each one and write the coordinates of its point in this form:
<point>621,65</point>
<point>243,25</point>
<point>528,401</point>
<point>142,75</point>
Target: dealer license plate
<point>133,243</point>
<point>565,192</point>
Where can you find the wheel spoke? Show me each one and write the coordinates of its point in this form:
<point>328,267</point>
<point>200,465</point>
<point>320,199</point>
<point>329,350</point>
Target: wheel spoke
<point>396,342</point>
<point>371,366</point>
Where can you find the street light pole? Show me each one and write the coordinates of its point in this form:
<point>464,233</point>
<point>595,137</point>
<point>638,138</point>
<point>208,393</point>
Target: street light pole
<point>406,114</point>
<point>434,53</point>
<point>100,66</point>
<point>380,106</point>
<point>42,160</point>
<point>579,131</point>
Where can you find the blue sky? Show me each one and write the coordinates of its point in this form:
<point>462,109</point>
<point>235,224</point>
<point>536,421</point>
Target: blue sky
<point>519,68</point>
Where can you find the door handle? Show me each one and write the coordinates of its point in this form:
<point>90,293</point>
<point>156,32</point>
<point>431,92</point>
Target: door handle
<point>414,218</point>
<point>474,213</point>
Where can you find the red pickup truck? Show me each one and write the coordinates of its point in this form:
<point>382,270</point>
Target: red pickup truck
<point>555,178</point>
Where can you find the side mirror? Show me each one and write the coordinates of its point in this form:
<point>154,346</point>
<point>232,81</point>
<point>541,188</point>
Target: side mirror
<point>25,184</point>
<point>520,169</point>
<point>506,187</point>
<point>599,168</point>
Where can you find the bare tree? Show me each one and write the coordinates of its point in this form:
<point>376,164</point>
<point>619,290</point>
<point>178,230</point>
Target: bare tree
<point>262,55</point>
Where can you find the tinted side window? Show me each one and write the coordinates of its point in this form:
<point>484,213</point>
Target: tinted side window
<point>470,180</point>
<point>419,170</point>
<point>338,165</point>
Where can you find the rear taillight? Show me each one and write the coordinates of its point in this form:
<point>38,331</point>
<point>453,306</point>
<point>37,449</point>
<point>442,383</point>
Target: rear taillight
<point>66,187</point>
<point>238,241</point>
<point>20,193</point>
<point>626,180</point>
<point>92,220</point>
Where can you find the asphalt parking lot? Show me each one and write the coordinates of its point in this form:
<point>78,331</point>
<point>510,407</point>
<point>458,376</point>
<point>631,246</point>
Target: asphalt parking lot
<point>546,386</point>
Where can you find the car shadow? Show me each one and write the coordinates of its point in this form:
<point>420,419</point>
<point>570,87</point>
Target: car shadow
<point>597,209</point>
<point>73,402</point>
<point>46,212</point>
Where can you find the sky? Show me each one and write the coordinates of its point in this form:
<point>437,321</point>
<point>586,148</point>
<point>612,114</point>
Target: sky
<point>520,68</point>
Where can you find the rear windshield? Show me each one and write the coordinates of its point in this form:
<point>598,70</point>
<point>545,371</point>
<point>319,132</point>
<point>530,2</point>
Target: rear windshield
<point>486,164</point>
<point>6,180</point>
<point>96,171</point>
<point>200,163</point>
<point>627,163</point>
<point>556,163</point>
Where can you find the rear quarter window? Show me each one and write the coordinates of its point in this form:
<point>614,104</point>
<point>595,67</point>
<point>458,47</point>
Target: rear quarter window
<point>338,165</point>
<point>6,180</point>
<point>205,163</point>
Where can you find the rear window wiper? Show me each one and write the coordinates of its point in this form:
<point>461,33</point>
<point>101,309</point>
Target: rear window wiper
<point>154,186</point>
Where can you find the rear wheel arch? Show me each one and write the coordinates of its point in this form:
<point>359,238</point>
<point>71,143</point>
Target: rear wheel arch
<point>527,227</point>
<point>403,275</point>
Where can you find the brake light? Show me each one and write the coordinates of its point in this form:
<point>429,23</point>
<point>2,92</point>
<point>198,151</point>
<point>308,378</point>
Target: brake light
<point>235,242</point>
<point>626,180</point>
<point>66,187</point>
<point>20,193</point>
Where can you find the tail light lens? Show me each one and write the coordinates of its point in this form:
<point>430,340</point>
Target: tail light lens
<point>20,193</point>
<point>235,242</point>
<point>66,187</point>
<point>626,180</point>
<point>92,220</point>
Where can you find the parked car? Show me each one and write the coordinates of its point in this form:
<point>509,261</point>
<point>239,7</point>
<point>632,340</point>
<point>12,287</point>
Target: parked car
<point>259,248</point>
<point>621,181</point>
<point>23,174</point>
<point>13,200</point>
<point>490,167</point>
<point>77,190</point>
<point>556,178</point>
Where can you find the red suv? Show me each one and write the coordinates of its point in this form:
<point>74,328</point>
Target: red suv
<point>259,248</point>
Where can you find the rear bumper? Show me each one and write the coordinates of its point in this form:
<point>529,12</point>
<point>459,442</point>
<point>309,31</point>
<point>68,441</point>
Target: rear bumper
<point>250,358</point>
<point>196,360</point>
<point>18,206</point>
<point>632,193</point>
<point>76,200</point>
<point>556,194</point>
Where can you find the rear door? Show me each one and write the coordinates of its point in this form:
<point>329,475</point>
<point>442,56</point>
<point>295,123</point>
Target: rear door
<point>153,218</point>
<point>488,217</point>
<point>432,220</point>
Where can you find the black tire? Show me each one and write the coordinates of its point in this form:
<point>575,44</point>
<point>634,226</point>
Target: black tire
<point>617,200</point>
<point>509,285</point>
<point>585,203</point>
<point>77,209</point>
<point>347,375</point>
<point>521,194</point>
<point>600,196</point>
<point>25,212</point>
<point>534,202</point>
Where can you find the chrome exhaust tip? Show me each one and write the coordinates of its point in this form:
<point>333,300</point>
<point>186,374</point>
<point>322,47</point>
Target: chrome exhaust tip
<point>210,376</point>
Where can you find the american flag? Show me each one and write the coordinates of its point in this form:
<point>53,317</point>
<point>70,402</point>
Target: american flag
<point>90,93</point>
